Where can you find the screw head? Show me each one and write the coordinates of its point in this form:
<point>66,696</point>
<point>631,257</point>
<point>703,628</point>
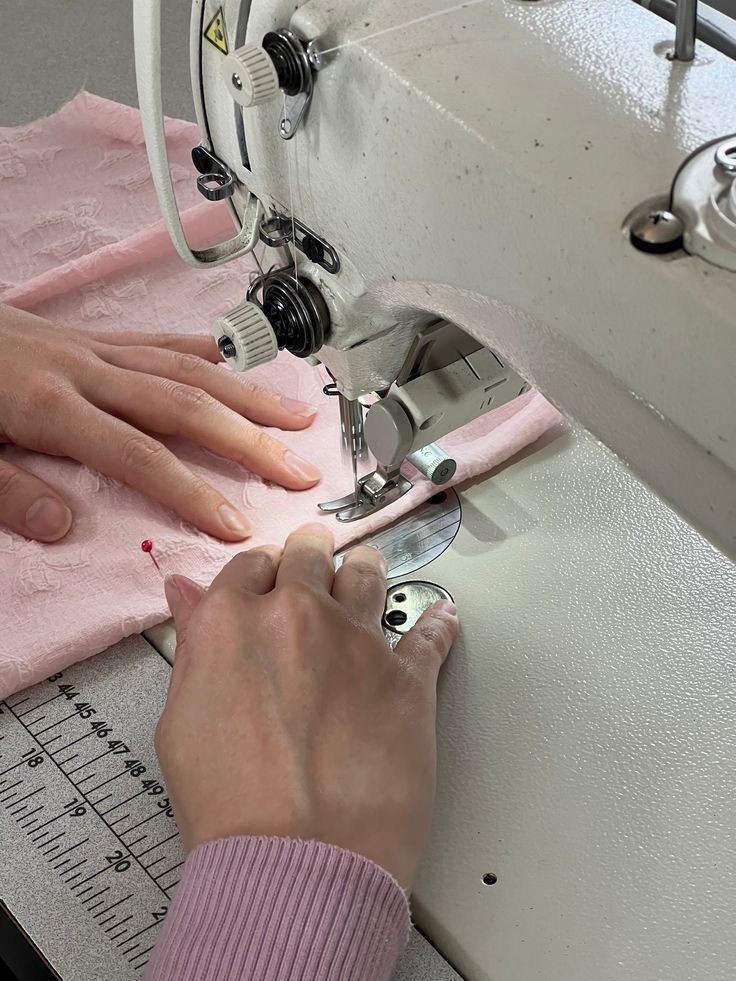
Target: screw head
<point>657,231</point>
<point>237,81</point>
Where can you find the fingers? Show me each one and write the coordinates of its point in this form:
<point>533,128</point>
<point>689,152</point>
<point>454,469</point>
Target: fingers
<point>308,558</point>
<point>118,450</point>
<point>254,571</point>
<point>30,507</point>
<point>201,345</point>
<point>177,410</point>
<point>428,643</point>
<point>227,387</point>
<point>360,583</point>
<point>182,595</point>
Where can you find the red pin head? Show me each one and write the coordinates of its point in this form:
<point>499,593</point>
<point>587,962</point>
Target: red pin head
<point>147,546</point>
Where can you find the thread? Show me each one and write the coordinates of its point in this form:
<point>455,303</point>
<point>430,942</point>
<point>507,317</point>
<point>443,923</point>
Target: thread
<point>291,203</point>
<point>408,23</point>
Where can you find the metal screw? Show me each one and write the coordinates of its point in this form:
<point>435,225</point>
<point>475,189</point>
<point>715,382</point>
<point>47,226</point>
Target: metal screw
<point>237,82</point>
<point>657,232</point>
<point>226,347</point>
<point>725,156</point>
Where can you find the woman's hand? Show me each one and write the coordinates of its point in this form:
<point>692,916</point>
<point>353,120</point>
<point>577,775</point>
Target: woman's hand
<point>289,715</point>
<point>95,397</point>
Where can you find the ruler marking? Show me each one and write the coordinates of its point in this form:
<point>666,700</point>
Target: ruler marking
<point>40,705</point>
<point>39,719</point>
<point>176,883</point>
<point>178,865</point>
<point>90,898</point>
<point>140,954</point>
<point>32,793</point>
<point>62,874</point>
<point>144,930</point>
<point>120,804</point>
<point>72,743</point>
<point>100,801</point>
<point>108,908</point>
<point>91,776</point>
<point>122,772</point>
<point>16,704</point>
<point>137,841</point>
<point>149,818</point>
<point>94,760</point>
<point>85,890</point>
<point>55,724</point>
<point>6,789</point>
<point>52,740</point>
<point>51,850</point>
<point>58,816</point>
<point>60,835</point>
<point>88,801</point>
<point>156,861</point>
<point>157,845</point>
<point>74,756</point>
<point>116,936</point>
<point>118,820</point>
<point>93,876</point>
<point>3,772</point>
<point>23,817</point>
<point>82,842</point>
<point>116,925</point>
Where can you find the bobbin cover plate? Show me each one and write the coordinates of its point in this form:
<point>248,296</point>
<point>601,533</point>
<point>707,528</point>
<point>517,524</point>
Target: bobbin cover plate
<point>252,338</point>
<point>250,75</point>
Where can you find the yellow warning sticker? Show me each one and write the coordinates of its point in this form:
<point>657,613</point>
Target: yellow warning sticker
<point>216,33</point>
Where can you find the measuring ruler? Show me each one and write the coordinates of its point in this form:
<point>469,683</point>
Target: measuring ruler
<point>90,850</point>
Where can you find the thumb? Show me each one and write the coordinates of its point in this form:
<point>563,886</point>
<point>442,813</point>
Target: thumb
<point>183,596</point>
<point>30,507</point>
<point>428,643</point>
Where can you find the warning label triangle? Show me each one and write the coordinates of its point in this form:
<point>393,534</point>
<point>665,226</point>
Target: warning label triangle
<point>216,33</point>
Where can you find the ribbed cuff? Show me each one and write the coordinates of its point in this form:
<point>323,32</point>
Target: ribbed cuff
<point>276,909</point>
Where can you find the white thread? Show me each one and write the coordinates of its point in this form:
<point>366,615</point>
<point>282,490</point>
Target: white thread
<point>291,202</point>
<point>408,23</point>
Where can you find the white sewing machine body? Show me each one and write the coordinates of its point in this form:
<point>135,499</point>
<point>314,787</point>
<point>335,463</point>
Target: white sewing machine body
<point>478,169</point>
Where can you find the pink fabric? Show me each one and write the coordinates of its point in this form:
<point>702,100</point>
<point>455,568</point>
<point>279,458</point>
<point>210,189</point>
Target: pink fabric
<point>81,243</point>
<point>276,908</point>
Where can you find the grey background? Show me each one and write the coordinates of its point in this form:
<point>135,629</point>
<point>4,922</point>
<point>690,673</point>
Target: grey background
<point>50,49</point>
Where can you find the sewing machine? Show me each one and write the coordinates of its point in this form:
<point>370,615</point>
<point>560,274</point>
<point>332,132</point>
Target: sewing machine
<point>504,194</point>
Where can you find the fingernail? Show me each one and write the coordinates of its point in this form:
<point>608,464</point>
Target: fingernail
<point>445,606</point>
<point>297,407</point>
<point>301,468</point>
<point>233,520</point>
<point>48,518</point>
<point>381,556</point>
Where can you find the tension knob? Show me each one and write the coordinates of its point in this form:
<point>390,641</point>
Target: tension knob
<point>245,337</point>
<point>250,75</point>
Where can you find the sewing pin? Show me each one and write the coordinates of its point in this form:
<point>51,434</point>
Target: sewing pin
<point>147,546</point>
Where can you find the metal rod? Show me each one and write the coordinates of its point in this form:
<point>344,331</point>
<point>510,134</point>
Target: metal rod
<point>686,19</point>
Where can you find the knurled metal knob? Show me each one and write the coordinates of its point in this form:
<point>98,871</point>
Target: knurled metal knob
<point>250,75</point>
<point>245,337</point>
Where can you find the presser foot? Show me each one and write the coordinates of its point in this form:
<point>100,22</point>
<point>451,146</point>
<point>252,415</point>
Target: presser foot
<point>374,492</point>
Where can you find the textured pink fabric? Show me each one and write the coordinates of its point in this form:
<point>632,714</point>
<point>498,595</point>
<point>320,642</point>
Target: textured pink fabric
<point>272,909</point>
<point>81,243</point>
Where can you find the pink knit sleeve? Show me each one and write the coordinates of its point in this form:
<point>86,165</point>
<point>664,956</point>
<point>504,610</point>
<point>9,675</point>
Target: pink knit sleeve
<point>276,908</point>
